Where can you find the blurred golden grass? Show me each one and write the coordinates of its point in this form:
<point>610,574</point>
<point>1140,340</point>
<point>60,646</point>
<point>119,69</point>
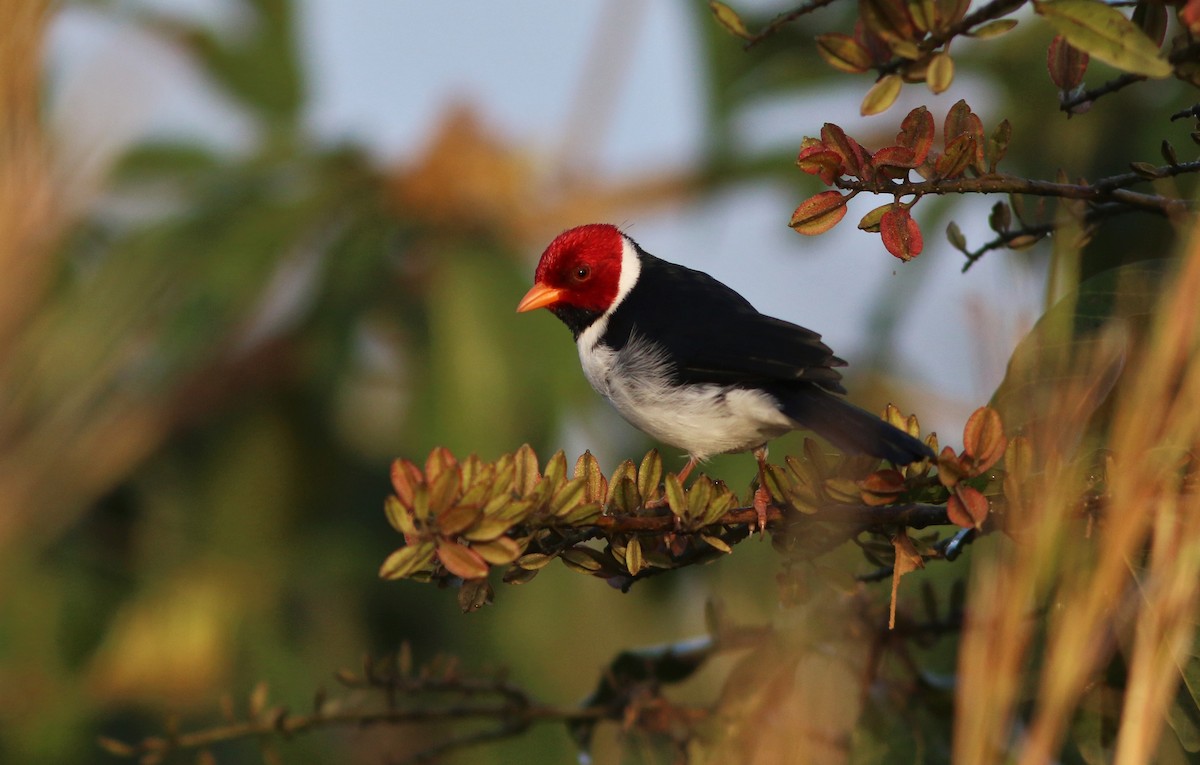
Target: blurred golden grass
<point>1098,594</point>
<point>27,219</point>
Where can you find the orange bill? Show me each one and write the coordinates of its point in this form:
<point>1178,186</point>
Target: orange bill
<point>539,296</point>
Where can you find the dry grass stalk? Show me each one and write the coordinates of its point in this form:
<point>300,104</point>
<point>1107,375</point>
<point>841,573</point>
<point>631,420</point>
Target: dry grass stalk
<point>1099,593</point>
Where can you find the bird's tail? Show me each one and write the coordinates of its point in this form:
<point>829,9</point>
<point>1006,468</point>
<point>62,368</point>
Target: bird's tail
<point>851,429</point>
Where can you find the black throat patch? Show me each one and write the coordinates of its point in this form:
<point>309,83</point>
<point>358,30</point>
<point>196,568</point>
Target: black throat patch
<point>576,319</point>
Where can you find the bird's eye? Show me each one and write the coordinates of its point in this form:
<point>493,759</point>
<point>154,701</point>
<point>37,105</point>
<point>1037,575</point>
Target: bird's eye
<point>582,273</point>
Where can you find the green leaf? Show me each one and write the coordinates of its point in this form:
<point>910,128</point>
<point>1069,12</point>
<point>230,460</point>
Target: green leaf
<point>940,73</point>
<point>582,559</point>
<point>728,18</point>
<point>398,516</point>
<point>870,221</point>
<point>716,543</point>
<point>718,506</point>
<point>992,29</point>
<point>698,498</point>
<point>498,552</point>
<point>676,499</point>
<point>588,468</point>
<point>525,470</point>
<point>534,561</point>
<point>1102,31</point>
<point>650,475</point>
<point>568,497</point>
<point>633,556</point>
<point>556,469</point>
<point>843,53</point>
<point>624,496</point>
<point>583,514</point>
<point>406,561</point>
<point>881,95</point>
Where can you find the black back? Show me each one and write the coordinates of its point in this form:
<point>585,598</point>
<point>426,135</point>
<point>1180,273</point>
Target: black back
<point>715,335</point>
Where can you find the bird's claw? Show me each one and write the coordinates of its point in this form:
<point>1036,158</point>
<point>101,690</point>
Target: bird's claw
<point>762,499</point>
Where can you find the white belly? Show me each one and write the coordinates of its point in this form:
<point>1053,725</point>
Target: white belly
<point>702,419</point>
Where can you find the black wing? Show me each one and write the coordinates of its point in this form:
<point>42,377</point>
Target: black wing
<point>715,335</point>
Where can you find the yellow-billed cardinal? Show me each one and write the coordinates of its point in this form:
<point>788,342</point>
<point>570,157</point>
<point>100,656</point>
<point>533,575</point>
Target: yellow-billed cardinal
<point>689,361</point>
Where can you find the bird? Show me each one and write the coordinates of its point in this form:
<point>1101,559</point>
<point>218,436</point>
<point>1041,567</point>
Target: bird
<point>689,361</point>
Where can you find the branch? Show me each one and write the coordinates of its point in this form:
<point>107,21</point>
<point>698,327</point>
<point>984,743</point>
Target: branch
<point>785,18</point>
<point>633,677</point>
<point>1107,190</point>
<point>1094,215</point>
<point>515,713</point>
<point>1087,97</point>
<point>993,10</point>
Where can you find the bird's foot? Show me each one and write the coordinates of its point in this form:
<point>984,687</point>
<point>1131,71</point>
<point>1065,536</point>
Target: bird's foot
<point>762,500</point>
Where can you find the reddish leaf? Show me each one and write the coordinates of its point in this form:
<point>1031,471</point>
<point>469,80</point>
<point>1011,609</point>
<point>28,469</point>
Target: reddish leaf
<point>461,561</point>
<point>819,213</point>
<point>960,120</point>
<point>895,156</point>
<point>916,133</point>
<point>854,157</point>
<point>907,561</point>
<point>1067,64</point>
<point>901,235</point>
<point>983,438</point>
<point>1151,17</point>
<point>882,487</point>
<point>822,162</point>
<point>1191,16</point>
<point>951,11</point>
<point>957,158</point>
<point>844,53</point>
<point>454,520</point>
<point>967,507</point>
<point>875,46</point>
<point>439,462</point>
<point>405,476</point>
<point>888,19</point>
<point>951,470</point>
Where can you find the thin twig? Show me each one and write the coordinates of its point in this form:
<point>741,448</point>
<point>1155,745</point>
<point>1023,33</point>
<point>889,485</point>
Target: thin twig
<point>785,18</point>
<point>984,14</point>
<point>1107,190</point>
<point>1071,103</point>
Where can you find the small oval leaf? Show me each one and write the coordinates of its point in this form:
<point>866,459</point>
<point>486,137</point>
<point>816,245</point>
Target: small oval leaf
<point>1104,32</point>
<point>819,213</point>
<point>881,95</point>
<point>406,560</point>
<point>992,29</point>
<point>844,53</point>
<point>901,234</point>
<point>461,561</point>
<point>728,18</point>
<point>940,73</point>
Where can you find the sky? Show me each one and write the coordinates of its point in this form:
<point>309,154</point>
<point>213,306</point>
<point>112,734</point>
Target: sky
<point>384,71</point>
